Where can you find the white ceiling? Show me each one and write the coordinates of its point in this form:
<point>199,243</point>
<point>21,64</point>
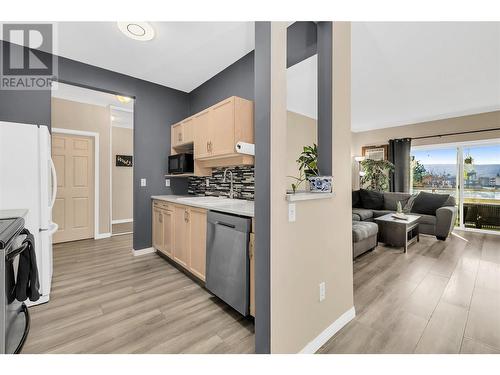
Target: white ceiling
<point>410,72</point>
<point>182,55</point>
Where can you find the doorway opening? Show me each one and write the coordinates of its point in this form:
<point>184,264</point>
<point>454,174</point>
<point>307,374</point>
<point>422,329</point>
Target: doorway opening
<point>92,148</point>
<point>469,171</point>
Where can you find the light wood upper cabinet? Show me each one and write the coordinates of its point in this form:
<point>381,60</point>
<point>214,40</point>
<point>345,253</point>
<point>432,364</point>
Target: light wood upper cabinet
<point>181,235</point>
<point>202,126</point>
<point>182,133</point>
<point>198,237</point>
<point>222,140</point>
<point>218,129</point>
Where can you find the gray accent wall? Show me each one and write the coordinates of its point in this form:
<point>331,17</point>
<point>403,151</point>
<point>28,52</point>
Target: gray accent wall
<point>262,116</point>
<point>156,108</point>
<point>325,35</point>
<point>236,80</point>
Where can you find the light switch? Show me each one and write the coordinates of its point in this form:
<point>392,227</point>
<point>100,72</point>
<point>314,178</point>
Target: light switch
<point>207,182</point>
<point>291,212</point>
<point>143,182</point>
<point>322,291</point>
<point>167,182</point>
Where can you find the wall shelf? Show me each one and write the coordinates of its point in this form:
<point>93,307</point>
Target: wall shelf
<point>307,196</point>
<point>179,175</point>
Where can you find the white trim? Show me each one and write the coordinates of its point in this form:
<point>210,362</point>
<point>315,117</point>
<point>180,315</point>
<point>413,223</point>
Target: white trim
<point>479,142</point>
<point>101,236</point>
<point>328,333</point>
<point>121,221</point>
<point>97,235</point>
<point>307,196</point>
<point>145,251</point>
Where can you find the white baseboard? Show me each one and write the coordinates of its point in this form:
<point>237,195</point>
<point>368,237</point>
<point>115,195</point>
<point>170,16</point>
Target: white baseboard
<point>44,298</point>
<point>145,251</point>
<point>100,236</point>
<point>328,333</point>
<point>121,221</point>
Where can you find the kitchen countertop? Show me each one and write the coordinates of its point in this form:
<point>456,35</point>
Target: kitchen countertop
<point>231,206</point>
<point>8,214</point>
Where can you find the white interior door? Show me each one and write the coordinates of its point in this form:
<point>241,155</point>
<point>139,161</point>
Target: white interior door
<point>73,210</point>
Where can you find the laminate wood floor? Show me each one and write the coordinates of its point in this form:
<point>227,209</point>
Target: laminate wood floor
<point>105,300</point>
<point>440,297</point>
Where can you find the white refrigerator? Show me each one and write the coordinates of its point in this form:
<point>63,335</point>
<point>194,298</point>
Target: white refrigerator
<point>28,181</point>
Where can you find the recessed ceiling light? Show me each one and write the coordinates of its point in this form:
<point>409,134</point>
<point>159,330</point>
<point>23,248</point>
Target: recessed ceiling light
<point>137,30</point>
<point>123,99</point>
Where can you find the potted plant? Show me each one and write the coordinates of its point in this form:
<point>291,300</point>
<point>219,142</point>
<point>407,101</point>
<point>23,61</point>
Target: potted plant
<point>376,174</point>
<point>308,170</point>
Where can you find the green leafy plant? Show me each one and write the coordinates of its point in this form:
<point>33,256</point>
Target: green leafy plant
<point>376,174</point>
<point>308,165</point>
<point>468,160</point>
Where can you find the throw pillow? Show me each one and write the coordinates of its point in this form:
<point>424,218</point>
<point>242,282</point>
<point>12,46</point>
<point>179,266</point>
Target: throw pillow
<point>356,199</point>
<point>428,203</point>
<point>409,204</point>
<point>372,200</point>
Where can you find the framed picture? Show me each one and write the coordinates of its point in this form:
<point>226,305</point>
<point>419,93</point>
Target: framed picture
<point>375,152</point>
<point>124,160</point>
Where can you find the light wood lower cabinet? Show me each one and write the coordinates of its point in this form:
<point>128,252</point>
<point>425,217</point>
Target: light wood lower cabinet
<point>180,233</point>
<point>251,253</point>
<point>198,238</point>
<point>168,232</point>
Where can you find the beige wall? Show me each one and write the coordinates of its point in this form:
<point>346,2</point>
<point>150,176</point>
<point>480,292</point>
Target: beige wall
<point>122,140</point>
<point>86,117</point>
<point>480,121</point>
<point>317,247</point>
<point>301,131</point>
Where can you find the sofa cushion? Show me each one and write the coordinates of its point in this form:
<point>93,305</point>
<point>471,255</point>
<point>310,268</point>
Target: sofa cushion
<point>450,202</point>
<point>409,203</point>
<point>391,200</point>
<point>427,203</point>
<point>363,230</point>
<point>373,200</point>
<point>356,199</point>
<point>427,219</point>
<point>355,217</point>
<point>378,213</point>
<point>363,213</point>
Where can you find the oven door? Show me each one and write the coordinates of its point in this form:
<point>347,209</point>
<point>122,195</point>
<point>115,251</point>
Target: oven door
<point>17,319</point>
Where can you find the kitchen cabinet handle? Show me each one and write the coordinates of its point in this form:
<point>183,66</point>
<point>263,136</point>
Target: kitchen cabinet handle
<point>207,147</point>
<point>160,218</point>
<point>180,137</point>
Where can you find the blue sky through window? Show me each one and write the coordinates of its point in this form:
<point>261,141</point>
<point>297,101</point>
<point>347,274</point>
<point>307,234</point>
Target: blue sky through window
<point>480,154</point>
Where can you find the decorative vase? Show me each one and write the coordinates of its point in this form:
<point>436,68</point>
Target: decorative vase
<point>399,208</point>
<point>320,184</point>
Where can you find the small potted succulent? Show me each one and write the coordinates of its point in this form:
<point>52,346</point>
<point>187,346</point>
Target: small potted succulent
<point>308,170</point>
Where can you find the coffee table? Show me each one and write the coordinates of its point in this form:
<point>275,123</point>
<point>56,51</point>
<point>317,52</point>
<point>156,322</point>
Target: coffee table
<point>398,232</point>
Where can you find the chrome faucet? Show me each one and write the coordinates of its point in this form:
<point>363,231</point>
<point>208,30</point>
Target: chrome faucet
<point>231,191</point>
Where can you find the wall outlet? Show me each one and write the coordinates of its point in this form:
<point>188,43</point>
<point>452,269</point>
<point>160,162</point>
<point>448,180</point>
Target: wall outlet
<point>292,211</point>
<point>143,182</point>
<point>167,182</point>
<point>322,291</point>
<point>207,182</point>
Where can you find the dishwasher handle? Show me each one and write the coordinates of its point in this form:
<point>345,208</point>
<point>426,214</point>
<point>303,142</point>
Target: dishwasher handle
<point>225,224</point>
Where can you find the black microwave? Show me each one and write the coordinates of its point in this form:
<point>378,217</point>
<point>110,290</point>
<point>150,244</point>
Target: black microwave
<point>180,163</point>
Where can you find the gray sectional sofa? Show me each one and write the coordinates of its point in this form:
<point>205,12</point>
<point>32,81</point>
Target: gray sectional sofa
<point>438,214</point>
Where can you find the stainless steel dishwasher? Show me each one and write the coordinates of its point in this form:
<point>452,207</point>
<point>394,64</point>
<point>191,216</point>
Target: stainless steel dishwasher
<point>227,272</point>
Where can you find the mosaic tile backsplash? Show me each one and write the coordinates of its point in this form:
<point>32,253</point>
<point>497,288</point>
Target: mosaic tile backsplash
<point>243,183</point>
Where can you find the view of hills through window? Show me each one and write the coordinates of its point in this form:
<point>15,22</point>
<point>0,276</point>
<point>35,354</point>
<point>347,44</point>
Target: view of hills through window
<point>437,170</point>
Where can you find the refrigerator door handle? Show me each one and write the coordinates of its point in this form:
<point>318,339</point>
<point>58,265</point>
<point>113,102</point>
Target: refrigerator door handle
<point>54,183</point>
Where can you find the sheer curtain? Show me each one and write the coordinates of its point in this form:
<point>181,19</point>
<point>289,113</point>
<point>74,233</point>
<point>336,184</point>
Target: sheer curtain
<point>399,155</point>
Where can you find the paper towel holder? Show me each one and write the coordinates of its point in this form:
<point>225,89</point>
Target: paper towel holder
<point>245,148</point>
